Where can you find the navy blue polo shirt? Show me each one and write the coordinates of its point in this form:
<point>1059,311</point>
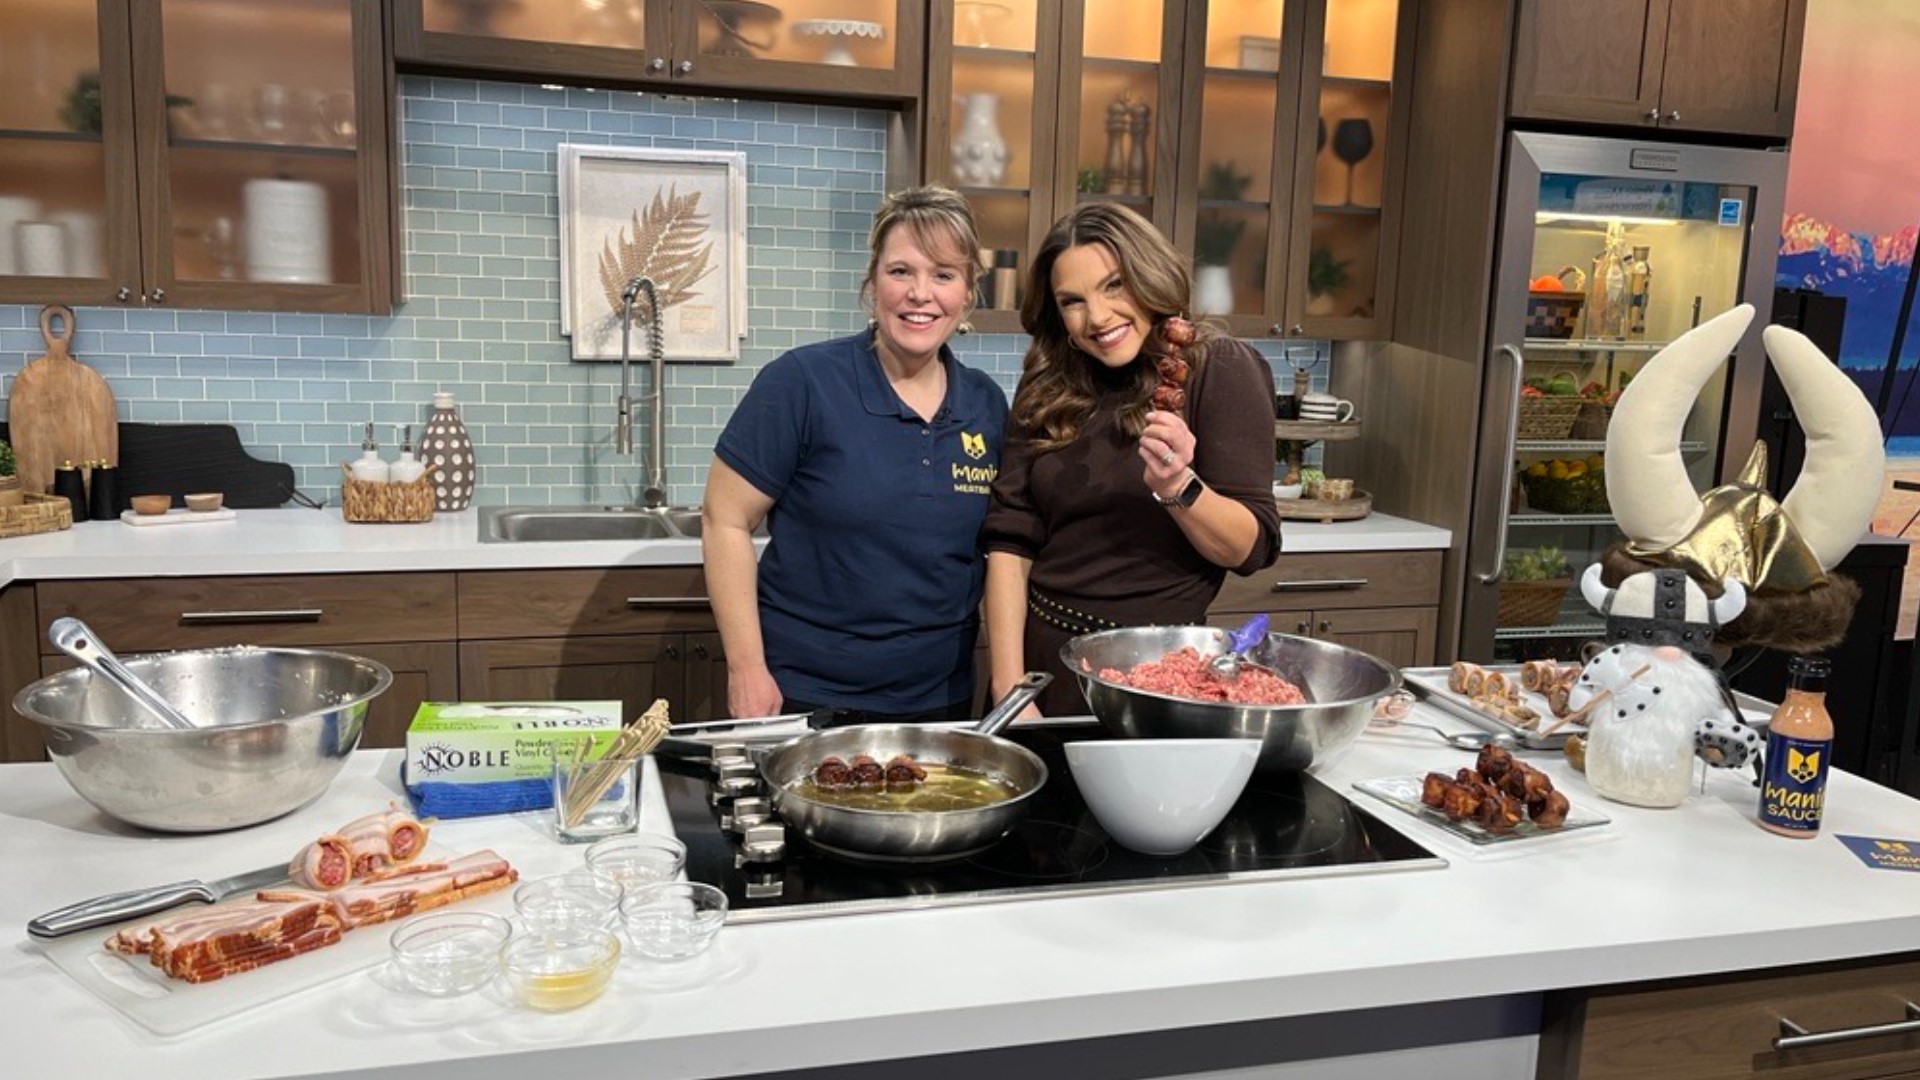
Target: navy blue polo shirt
<point>870,585</point>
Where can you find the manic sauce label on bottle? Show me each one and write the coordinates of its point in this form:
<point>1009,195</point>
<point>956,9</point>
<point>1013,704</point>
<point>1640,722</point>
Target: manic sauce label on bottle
<point>1794,787</point>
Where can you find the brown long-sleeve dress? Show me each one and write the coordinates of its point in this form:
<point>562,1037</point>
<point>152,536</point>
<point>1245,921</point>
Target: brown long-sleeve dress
<point>1104,553</point>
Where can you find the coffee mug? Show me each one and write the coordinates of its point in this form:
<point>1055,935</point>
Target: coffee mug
<point>1286,407</point>
<point>1325,407</point>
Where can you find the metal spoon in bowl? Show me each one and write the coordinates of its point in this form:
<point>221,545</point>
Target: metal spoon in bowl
<point>1226,666</point>
<point>76,639</point>
<point>1459,740</point>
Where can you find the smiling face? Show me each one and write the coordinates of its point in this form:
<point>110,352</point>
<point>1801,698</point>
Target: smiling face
<point>919,297</point>
<point>1102,318</point>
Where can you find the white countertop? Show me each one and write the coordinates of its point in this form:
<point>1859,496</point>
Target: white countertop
<point>1653,894</point>
<point>298,541</point>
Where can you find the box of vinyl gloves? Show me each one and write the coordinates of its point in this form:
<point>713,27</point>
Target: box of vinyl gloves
<point>469,758</point>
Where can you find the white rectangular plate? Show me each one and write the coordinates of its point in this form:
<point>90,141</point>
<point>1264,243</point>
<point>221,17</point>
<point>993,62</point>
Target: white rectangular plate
<point>178,516</point>
<point>1403,792</point>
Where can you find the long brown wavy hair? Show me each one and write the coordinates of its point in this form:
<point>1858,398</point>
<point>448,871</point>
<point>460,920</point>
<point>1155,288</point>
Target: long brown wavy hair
<point>1057,389</point>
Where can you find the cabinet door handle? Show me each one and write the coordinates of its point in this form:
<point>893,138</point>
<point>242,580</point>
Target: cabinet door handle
<point>657,65</point>
<point>1277,330</point>
<point>1303,627</point>
<point>671,652</point>
<point>1673,117</point>
<point>123,294</point>
<point>1488,577</point>
<point>158,296</point>
<point>1793,1037</point>
<point>685,67</point>
<point>284,615</point>
<point>1653,116</point>
<point>699,652</point>
<point>668,602</point>
<point>1326,626</point>
<point>1320,585</point>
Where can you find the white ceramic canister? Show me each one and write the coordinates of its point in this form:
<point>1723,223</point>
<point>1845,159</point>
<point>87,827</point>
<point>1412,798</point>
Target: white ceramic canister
<point>287,235</point>
<point>84,257</point>
<point>14,209</point>
<point>40,249</point>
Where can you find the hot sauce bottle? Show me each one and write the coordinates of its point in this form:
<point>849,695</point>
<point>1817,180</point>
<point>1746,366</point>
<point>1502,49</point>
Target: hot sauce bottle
<point>1793,788</point>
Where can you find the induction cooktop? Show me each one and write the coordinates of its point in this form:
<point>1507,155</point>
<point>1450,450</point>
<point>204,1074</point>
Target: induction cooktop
<point>1284,826</point>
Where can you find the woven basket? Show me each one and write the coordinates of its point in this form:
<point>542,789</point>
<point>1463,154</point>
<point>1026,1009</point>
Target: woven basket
<point>1592,421</point>
<point>1553,314</point>
<point>1549,416</point>
<point>386,503</point>
<point>1531,603</point>
<point>38,514</point>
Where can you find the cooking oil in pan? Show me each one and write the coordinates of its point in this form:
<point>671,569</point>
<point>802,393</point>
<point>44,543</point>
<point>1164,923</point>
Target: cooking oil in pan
<point>947,787</point>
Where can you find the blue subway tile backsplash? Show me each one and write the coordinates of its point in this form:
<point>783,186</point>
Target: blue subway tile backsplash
<point>482,316</point>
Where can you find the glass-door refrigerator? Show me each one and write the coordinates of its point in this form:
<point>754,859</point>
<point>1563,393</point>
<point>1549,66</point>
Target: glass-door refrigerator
<point>1608,250</point>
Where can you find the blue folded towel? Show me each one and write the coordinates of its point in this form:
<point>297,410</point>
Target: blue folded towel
<point>440,799</point>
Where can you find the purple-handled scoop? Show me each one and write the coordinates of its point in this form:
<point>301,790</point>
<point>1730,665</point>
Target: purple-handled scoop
<point>1226,666</point>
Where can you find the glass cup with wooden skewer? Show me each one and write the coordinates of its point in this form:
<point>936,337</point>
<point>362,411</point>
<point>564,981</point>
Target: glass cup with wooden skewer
<point>599,796</point>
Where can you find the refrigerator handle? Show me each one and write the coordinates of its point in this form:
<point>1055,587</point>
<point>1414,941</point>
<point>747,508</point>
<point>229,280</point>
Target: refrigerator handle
<point>1506,484</point>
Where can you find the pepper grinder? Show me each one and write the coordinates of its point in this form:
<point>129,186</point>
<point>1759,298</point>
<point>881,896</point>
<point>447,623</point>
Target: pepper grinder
<point>103,491</point>
<point>69,484</point>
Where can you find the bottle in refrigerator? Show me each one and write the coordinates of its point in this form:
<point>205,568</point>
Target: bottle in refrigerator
<point>1607,287</point>
<point>1793,787</point>
<point>1639,280</point>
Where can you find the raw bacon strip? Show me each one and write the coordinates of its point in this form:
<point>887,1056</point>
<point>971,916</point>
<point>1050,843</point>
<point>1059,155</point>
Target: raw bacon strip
<point>202,944</point>
<point>382,839</point>
<point>325,864</point>
<point>419,887</point>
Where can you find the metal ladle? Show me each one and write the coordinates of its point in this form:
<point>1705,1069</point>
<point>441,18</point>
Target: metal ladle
<point>76,639</point>
<point>1459,740</point>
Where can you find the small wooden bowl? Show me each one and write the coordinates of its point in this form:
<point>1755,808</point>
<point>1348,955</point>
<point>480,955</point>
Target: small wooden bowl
<point>204,501</point>
<point>151,505</point>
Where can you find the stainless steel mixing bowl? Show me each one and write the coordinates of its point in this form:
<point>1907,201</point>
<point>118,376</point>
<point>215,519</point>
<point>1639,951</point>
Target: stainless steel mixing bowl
<point>1341,686</point>
<point>276,725</point>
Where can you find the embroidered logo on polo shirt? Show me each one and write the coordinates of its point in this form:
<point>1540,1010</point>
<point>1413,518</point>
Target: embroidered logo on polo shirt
<point>973,479</point>
<point>974,445</point>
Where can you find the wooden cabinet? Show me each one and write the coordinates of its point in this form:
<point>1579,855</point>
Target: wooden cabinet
<point>1731,67</point>
<point>197,153</point>
<point>1263,137</point>
<point>1723,1028</point>
<point>1384,603</point>
<point>822,48</point>
<point>19,665</point>
<point>633,668</point>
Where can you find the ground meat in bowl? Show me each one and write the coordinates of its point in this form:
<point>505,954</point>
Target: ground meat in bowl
<point>1184,673</point>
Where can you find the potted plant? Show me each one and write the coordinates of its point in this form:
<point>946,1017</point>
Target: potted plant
<point>1532,586</point>
<point>1215,236</point>
<point>1326,275</point>
<point>11,493</point>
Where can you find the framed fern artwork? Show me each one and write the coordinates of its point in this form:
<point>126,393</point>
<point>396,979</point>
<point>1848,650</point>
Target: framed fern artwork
<point>675,216</point>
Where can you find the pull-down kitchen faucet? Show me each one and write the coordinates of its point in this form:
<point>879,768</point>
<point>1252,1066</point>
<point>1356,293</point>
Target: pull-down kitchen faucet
<point>655,495</point>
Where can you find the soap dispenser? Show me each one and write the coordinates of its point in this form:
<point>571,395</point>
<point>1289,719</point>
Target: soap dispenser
<point>407,469</point>
<point>370,469</point>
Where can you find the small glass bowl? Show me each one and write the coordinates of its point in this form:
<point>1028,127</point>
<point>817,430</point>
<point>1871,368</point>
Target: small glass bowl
<point>576,899</point>
<point>639,859</point>
<point>673,920</point>
<point>452,953</point>
<point>560,969</point>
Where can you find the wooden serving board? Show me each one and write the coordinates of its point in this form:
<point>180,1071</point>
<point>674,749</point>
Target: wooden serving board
<point>1351,509</point>
<point>59,409</point>
<point>177,516</point>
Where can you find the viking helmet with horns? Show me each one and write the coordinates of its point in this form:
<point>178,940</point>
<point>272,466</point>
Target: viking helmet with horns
<point>1781,551</point>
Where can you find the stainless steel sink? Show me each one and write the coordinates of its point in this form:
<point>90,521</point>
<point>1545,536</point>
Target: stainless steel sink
<point>685,521</point>
<point>533,524</point>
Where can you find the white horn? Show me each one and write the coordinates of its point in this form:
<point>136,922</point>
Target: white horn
<point>1653,499</point>
<point>1731,603</point>
<point>1833,501</point>
<point>1590,587</point>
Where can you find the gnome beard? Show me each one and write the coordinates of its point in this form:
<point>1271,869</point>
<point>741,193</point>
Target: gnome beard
<point>1661,709</point>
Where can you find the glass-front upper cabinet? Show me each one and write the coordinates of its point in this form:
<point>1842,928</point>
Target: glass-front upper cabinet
<point>211,153</point>
<point>254,125</point>
<point>856,48</point>
<point>998,111</point>
<point>1118,139</point>
<point>68,228</point>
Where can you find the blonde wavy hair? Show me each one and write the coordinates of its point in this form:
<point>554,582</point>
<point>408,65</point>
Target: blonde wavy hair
<point>942,226</point>
<point>1057,388</point>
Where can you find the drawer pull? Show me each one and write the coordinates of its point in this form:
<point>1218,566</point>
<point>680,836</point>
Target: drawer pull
<point>668,602</point>
<point>1320,585</point>
<point>1793,1037</point>
<point>210,618</point>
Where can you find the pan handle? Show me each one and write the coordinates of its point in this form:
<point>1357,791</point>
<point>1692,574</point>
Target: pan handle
<point>1018,698</point>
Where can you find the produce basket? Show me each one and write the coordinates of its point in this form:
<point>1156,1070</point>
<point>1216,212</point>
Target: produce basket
<point>390,502</point>
<point>1553,314</point>
<point>1592,420</point>
<point>1531,603</point>
<point>1583,494</point>
<point>1548,416</point>
<point>36,514</point>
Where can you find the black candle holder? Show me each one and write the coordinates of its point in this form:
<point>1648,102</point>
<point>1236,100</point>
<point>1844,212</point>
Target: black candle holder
<point>103,493</point>
<point>68,483</point>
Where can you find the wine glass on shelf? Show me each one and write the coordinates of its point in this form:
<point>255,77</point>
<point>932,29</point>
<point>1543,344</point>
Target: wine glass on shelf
<point>1352,142</point>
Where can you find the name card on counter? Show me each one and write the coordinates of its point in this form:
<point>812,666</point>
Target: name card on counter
<point>1881,854</point>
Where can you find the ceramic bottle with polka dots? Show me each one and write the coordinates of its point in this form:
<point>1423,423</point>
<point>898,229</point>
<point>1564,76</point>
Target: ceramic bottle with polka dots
<point>447,446</point>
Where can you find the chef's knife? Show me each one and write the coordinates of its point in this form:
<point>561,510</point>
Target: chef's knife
<point>116,907</point>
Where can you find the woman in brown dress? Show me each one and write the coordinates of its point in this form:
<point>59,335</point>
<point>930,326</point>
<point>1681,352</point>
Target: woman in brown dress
<point>1138,465</point>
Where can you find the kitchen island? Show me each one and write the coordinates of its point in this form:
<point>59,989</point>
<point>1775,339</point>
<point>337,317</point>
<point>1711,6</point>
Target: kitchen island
<point>1439,971</point>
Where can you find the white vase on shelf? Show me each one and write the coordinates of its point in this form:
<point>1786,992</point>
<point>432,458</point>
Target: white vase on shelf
<point>979,150</point>
<point>1212,290</point>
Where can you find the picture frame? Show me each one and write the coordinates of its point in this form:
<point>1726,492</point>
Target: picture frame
<point>678,216</point>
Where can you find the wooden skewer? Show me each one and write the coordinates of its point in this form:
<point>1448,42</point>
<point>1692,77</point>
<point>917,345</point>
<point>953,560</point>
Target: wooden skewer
<point>1586,710</point>
<point>636,739</point>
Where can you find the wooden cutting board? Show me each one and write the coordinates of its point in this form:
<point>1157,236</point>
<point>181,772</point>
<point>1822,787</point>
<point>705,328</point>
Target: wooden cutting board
<point>59,409</point>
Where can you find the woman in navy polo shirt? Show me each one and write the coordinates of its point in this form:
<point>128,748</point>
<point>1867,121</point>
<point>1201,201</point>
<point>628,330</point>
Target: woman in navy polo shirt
<point>870,458</point>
